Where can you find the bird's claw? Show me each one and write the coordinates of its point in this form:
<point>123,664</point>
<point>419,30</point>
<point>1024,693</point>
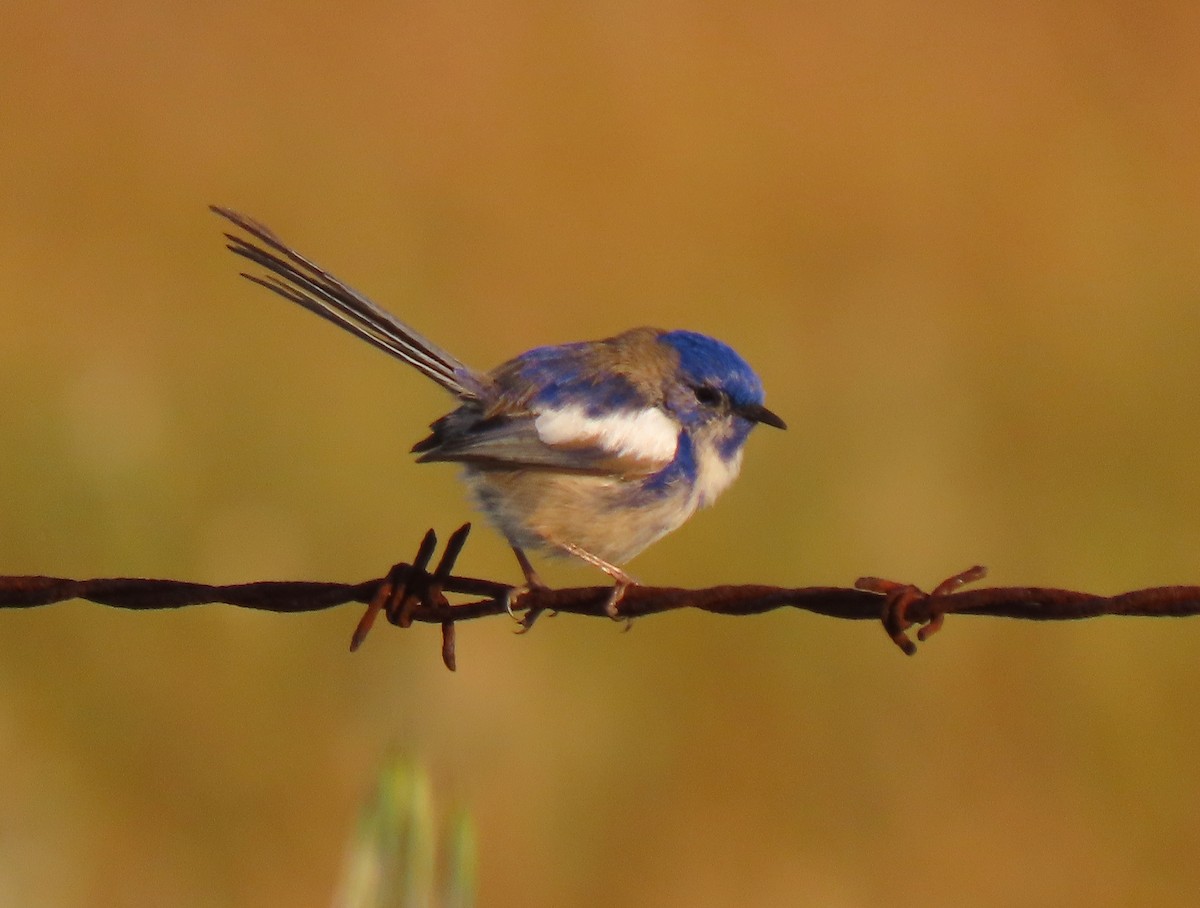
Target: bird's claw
<point>612,605</point>
<point>512,596</point>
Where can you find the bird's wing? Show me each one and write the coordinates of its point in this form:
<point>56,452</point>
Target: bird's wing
<point>625,443</point>
<point>296,278</point>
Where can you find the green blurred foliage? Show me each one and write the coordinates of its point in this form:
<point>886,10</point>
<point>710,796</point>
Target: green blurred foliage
<point>959,243</point>
<point>397,857</point>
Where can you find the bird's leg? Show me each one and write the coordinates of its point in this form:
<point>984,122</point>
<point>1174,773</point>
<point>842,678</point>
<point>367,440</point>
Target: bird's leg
<point>532,582</point>
<point>622,581</point>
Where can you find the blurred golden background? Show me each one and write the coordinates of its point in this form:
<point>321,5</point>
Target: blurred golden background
<point>958,241</point>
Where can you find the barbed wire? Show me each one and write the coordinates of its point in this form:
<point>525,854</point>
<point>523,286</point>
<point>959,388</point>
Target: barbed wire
<point>410,593</point>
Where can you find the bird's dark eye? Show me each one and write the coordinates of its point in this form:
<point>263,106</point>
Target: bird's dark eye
<point>708,395</point>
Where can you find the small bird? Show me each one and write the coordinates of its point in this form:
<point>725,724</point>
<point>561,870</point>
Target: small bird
<point>594,449</point>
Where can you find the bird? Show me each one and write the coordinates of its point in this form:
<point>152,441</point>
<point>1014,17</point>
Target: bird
<point>594,449</point>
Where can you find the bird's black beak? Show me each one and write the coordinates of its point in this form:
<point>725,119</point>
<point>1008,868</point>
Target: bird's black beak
<point>759,413</point>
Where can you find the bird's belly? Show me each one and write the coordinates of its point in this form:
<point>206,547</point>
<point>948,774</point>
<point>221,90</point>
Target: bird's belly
<point>609,517</point>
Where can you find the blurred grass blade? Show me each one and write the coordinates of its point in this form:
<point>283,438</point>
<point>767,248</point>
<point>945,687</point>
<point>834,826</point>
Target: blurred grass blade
<point>392,861</point>
<point>459,884</point>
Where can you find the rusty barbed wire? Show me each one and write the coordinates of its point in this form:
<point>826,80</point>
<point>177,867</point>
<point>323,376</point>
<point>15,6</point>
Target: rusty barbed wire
<point>410,593</point>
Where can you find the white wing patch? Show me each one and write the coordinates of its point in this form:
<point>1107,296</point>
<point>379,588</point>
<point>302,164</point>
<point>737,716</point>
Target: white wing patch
<point>645,435</point>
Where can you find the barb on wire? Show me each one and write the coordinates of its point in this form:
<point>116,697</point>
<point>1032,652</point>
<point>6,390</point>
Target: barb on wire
<point>409,593</point>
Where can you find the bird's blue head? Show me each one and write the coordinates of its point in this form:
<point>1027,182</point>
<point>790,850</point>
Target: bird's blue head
<point>716,386</point>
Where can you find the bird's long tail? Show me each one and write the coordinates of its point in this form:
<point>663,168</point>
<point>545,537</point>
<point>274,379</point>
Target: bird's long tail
<point>296,278</point>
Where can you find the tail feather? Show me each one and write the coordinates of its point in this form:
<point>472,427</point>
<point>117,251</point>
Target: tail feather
<point>301,281</point>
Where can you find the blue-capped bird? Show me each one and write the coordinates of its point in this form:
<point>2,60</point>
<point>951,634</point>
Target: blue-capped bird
<point>594,449</point>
